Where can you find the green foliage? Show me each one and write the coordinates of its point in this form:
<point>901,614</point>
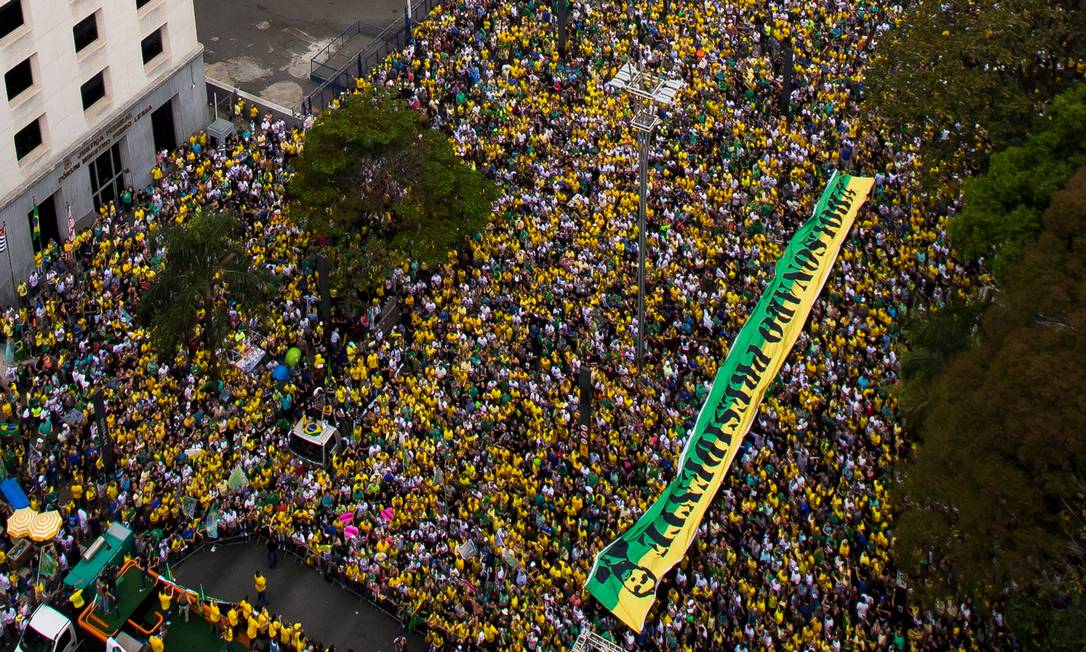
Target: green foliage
<point>382,189</point>
<point>994,496</point>
<point>1003,207</point>
<point>978,69</point>
<point>206,271</point>
<point>931,341</point>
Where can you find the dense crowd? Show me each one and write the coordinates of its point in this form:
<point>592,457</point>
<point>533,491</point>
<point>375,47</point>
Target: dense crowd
<point>478,501</point>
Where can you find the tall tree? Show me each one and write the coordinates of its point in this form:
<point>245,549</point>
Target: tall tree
<point>971,74</point>
<point>207,271</point>
<point>382,189</point>
<point>1003,206</point>
<point>995,498</point>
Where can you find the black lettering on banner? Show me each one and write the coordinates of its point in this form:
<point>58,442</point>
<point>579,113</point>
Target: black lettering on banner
<point>807,260</point>
<point>834,220</point>
<point>721,421</point>
<point>674,521</point>
<point>737,394</point>
<point>706,451</point>
<point>771,331</point>
<point>652,538</point>
<point>799,276</point>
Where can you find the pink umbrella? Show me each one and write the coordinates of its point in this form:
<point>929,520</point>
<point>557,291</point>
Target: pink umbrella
<point>387,513</point>
<point>346,517</point>
<point>350,532</point>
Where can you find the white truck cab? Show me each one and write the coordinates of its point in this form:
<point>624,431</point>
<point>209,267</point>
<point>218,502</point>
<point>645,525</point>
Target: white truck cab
<point>48,631</point>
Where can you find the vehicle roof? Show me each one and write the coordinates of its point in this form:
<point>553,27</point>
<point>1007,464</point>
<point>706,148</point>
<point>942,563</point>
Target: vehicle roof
<point>48,621</point>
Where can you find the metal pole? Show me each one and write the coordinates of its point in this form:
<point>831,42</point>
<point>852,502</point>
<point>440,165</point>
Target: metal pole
<point>643,157</point>
<point>788,65</point>
<point>11,268</point>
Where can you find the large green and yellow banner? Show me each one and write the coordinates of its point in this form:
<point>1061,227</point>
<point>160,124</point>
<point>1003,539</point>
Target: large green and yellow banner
<point>625,574</point>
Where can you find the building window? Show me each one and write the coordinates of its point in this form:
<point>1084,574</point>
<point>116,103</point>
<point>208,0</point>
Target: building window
<point>141,3</point>
<point>11,17</point>
<point>152,46</point>
<point>107,177</point>
<point>19,78</point>
<point>85,32</point>
<point>93,90</point>
<point>28,139</point>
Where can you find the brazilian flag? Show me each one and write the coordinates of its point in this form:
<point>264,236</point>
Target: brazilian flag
<point>38,255</point>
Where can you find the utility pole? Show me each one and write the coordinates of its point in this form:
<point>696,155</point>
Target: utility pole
<point>562,20</point>
<point>650,91</point>
<point>786,89</point>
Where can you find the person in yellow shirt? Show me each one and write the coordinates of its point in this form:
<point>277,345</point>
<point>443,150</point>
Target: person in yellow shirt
<point>252,629</point>
<point>245,609</point>
<point>261,585</point>
<point>156,644</point>
<point>165,596</point>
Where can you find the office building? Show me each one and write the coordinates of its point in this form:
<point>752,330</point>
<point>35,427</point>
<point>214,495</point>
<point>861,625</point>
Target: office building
<point>91,90</point>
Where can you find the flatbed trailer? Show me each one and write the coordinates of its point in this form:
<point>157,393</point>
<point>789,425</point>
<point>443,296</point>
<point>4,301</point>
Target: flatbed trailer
<point>138,612</point>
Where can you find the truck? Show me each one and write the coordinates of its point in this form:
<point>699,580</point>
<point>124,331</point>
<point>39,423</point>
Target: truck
<point>48,631</point>
<point>135,617</point>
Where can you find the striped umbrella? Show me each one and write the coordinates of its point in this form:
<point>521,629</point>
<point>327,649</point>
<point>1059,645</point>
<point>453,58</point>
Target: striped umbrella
<point>45,526</point>
<point>19,522</point>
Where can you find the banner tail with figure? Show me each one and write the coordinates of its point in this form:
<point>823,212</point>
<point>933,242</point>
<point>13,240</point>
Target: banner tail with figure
<point>626,573</point>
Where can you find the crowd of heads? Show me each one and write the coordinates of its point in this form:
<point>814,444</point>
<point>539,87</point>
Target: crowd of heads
<point>468,494</point>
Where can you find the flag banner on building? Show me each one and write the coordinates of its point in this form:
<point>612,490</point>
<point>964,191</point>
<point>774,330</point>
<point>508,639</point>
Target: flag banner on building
<point>3,239</point>
<point>627,572</point>
<point>71,224</point>
<point>39,254</point>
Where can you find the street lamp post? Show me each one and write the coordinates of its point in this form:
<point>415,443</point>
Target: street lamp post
<point>649,91</point>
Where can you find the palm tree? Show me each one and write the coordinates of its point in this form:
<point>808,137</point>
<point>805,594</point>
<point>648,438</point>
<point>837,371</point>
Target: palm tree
<point>207,269</point>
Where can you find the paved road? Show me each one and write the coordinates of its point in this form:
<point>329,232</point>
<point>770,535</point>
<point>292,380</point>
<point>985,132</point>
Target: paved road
<point>264,46</point>
<point>328,612</point>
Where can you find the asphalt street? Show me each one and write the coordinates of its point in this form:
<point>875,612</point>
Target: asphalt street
<point>326,611</point>
<point>264,47</point>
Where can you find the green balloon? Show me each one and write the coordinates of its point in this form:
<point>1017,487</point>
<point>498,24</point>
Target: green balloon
<point>294,354</point>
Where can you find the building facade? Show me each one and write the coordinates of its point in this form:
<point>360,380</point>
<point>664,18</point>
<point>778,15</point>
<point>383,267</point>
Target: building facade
<point>92,89</point>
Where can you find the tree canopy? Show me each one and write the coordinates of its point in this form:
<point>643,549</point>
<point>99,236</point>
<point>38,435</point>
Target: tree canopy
<point>381,189</point>
<point>995,496</point>
<point>971,74</point>
<point>1002,208</point>
<point>207,271</point>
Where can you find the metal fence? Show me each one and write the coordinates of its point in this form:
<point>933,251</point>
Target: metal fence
<point>392,39</point>
<point>322,66</point>
<point>221,99</point>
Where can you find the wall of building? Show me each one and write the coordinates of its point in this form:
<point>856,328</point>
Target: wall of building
<point>74,138</point>
<point>59,71</point>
